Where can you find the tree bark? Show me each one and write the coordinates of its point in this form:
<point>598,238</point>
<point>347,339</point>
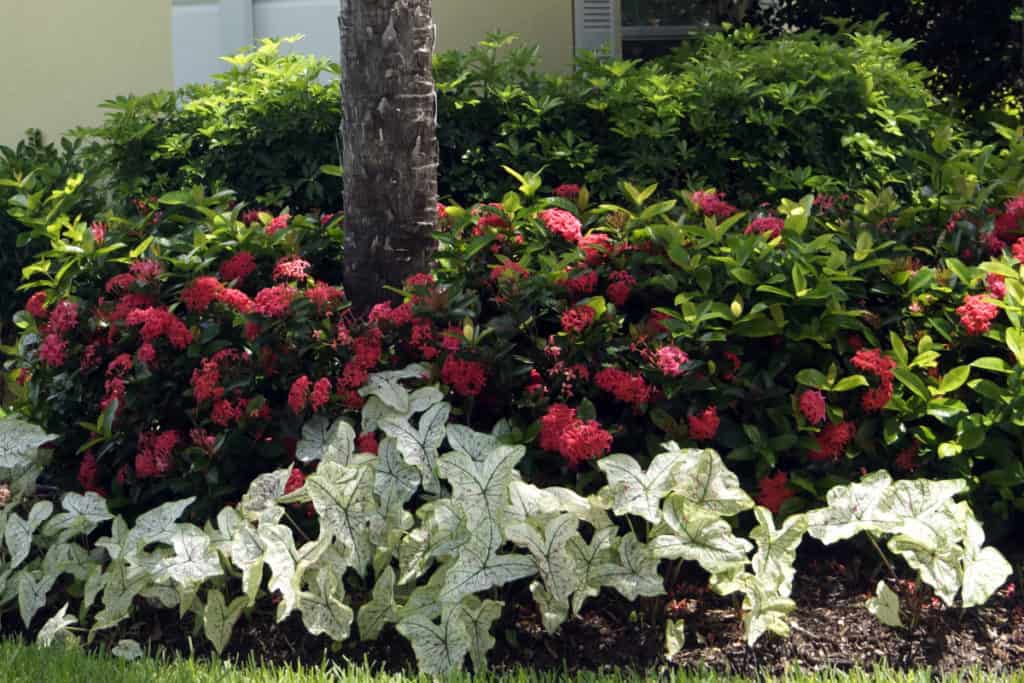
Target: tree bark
<point>389,144</point>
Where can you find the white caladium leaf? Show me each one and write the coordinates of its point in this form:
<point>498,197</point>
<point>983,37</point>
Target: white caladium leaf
<point>764,610</point>
<point>94,583</point>
<point>527,500</point>
<point>478,616</point>
<point>127,649</point>
<point>636,492</point>
<point>704,480</point>
<point>636,573</point>
<point>19,441</point>
<point>82,513</point>
<point>932,549</point>
<point>440,533</point>
<point>985,568</point>
<point>116,544</point>
<point>550,550</point>
<point>18,538</point>
<point>424,398</point>
<point>424,600</point>
<point>158,525</point>
<point>395,481</point>
<point>219,618</point>
<point>419,445</point>
<point>675,637</point>
<point>166,596</point>
<point>776,549</point>
<point>440,648</point>
<point>553,612</point>
<point>40,512</point>
<point>472,443</point>
<point>322,440</point>
<point>288,564</point>
<point>885,605</point>
<point>194,560</point>
<point>594,561</point>
<point>481,488</point>
<point>343,498</point>
<point>699,535</point>
<point>259,502</point>
<point>852,509</point>
<point>68,558</point>
<point>32,592</point>
<point>918,498</point>
<point>56,628</point>
<point>479,567</point>
<point>388,391</point>
<point>381,609</point>
<point>323,609</point>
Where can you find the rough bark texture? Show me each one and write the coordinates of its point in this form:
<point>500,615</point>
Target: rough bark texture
<point>389,144</point>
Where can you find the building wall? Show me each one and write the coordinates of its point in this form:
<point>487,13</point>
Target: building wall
<point>547,23</point>
<point>62,58</point>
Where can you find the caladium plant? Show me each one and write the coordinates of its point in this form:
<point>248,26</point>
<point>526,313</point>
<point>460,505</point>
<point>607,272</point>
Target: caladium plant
<point>474,526</point>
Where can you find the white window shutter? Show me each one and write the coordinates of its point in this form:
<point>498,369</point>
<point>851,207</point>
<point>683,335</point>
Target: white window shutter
<point>598,24</point>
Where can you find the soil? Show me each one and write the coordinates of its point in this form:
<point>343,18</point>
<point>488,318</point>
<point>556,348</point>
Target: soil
<point>830,628</point>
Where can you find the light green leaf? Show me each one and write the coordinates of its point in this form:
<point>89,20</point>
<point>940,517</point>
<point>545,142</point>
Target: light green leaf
<point>764,611</point>
<point>851,509</point>
<point>478,616</point>
<point>699,535</point>
<point>984,568</point>
<point>636,492</point>
<point>675,637</point>
<point>885,605</point>
<point>954,379</point>
<point>127,649</point>
<point>219,619</point>
<point>439,649</point>
<point>19,441</point>
<point>776,550</point>
<point>381,609</point>
<point>704,480</point>
<point>56,628</point>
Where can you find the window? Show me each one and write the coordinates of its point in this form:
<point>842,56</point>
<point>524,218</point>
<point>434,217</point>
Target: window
<point>640,29</point>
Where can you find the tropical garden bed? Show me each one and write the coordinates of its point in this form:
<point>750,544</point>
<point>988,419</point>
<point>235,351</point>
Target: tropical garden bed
<point>595,433</point>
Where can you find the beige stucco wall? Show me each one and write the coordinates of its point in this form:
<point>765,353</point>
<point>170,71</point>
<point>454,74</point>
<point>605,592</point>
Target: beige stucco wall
<point>59,59</point>
<point>547,23</point>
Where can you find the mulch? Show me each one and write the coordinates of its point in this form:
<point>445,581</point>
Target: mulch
<point>831,628</point>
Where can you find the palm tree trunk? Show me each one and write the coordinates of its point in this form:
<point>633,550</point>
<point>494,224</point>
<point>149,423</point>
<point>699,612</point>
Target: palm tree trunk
<point>389,144</point>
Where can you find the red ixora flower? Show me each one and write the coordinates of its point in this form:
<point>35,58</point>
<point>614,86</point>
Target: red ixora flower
<point>773,491</point>
<point>812,405</point>
<point>832,441</point>
<point>36,306</point>
<point>466,377</point>
<point>976,314</point>
<point>626,387</point>
<point>154,455</point>
<point>713,204</point>
<point>238,267</point>
<point>769,226</point>
<point>906,460</point>
<point>88,474</point>
<point>298,395</point>
<point>64,317</point>
<point>274,302</point>
<point>996,285</point>
<point>291,268</point>
<point>568,191</point>
<point>704,425</point>
<point>200,293</point>
<point>321,394</point>
<point>563,224</point>
<point>367,443</point>
<point>51,350</point>
<point>278,224</point>
<point>576,441</point>
<point>296,480</point>
<point>670,360</point>
<point>1018,249</point>
<point>620,288</point>
<point>577,319</point>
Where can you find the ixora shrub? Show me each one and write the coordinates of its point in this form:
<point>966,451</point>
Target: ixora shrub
<point>730,117</point>
<point>475,528</point>
<point>187,346</point>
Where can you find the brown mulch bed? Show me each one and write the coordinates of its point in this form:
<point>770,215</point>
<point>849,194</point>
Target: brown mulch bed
<point>830,628</point>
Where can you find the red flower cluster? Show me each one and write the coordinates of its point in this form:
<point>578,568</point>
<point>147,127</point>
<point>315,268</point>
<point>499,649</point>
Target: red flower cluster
<point>563,224</point>
<point>562,432</point>
<point>996,285</point>
<point>52,349</point>
<point>466,377</point>
<point>976,314</point>
<point>274,302</point>
<point>812,405</point>
<point>713,204</point>
<point>670,360</point>
<point>832,441</point>
<point>620,288</point>
<point>88,475</point>
<point>159,322</point>
<point>298,395</point>
<point>367,443</point>
<point>873,362</point>
<point>567,191</point>
<point>577,319</point>
<point>1018,250</point>
<point>296,480</point>
<point>773,491</point>
<point>596,247</point>
<point>582,285</point>
<point>1010,224</point>
<point>154,455</point>
<point>769,226</point>
<point>906,460</point>
<point>238,267</point>
<point>626,387</point>
<point>63,318</point>
<point>704,425</point>
<point>278,224</point>
<point>36,306</point>
<point>202,292</point>
<point>291,268</point>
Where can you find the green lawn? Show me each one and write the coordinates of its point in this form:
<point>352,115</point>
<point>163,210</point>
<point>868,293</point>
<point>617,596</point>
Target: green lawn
<point>20,664</point>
